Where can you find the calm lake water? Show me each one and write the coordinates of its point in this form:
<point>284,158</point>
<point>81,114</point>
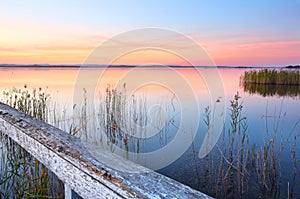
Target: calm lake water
<point>130,114</point>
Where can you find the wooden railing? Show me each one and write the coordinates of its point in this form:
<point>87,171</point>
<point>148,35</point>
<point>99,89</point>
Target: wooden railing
<point>66,156</point>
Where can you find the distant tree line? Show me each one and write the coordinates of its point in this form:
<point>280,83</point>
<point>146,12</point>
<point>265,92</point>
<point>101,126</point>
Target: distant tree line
<point>291,66</point>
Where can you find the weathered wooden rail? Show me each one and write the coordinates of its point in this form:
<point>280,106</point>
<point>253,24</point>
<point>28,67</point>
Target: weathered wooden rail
<point>66,156</point>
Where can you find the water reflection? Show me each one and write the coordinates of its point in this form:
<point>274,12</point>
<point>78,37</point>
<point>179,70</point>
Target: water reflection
<point>272,90</point>
<point>254,159</point>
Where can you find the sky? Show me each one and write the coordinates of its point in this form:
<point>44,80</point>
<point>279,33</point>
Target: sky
<point>232,32</point>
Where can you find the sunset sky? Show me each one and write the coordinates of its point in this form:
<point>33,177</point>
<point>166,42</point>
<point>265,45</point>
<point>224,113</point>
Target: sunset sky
<point>233,32</point>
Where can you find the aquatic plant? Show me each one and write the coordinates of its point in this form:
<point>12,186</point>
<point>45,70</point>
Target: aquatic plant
<point>33,102</point>
<point>22,176</point>
<point>235,168</point>
<point>266,76</point>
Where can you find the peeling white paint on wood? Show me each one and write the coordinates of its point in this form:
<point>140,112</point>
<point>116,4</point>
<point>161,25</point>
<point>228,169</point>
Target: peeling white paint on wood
<point>68,192</point>
<point>67,157</point>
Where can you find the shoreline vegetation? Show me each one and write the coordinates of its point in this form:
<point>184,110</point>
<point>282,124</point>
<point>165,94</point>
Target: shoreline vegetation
<point>271,77</point>
<point>133,66</point>
<point>270,82</point>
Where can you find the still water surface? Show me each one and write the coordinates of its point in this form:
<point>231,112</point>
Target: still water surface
<point>272,120</point>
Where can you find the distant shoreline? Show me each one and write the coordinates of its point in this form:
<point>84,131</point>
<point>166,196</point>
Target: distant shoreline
<point>133,66</point>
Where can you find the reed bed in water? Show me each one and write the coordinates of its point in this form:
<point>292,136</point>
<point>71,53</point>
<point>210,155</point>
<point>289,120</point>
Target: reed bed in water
<point>239,168</point>
<point>266,76</point>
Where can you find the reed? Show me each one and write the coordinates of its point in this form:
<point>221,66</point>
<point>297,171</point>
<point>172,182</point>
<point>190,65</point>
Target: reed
<point>21,175</point>
<point>225,167</point>
<point>33,102</point>
<point>266,76</point>
<point>238,168</point>
<point>123,117</point>
<point>232,170</point>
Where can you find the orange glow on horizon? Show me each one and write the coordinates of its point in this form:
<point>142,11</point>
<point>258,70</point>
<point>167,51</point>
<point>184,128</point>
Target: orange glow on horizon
<point>71,48</point>
<point>255,53</point>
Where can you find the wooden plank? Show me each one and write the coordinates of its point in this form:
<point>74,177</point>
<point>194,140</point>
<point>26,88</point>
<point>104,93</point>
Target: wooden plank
<point>67,157</point>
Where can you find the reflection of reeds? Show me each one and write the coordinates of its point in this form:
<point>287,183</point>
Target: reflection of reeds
<point>125,118</point>
<point>272,90</point>
<point>118,119</point>
<point>22,176</point>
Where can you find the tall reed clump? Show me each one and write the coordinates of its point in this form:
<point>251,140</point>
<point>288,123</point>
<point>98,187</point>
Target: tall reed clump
<point>236,169</point>
<point>123,115</point>
<point>266,76</point>
<point>235,152</point>
<point>32,102</point>
<point>21,175</point>
<point>272,82</point>
<point>268,157</point>
<point>226,166</point>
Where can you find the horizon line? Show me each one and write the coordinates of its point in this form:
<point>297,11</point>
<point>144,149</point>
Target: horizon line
<point>140,66</point>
